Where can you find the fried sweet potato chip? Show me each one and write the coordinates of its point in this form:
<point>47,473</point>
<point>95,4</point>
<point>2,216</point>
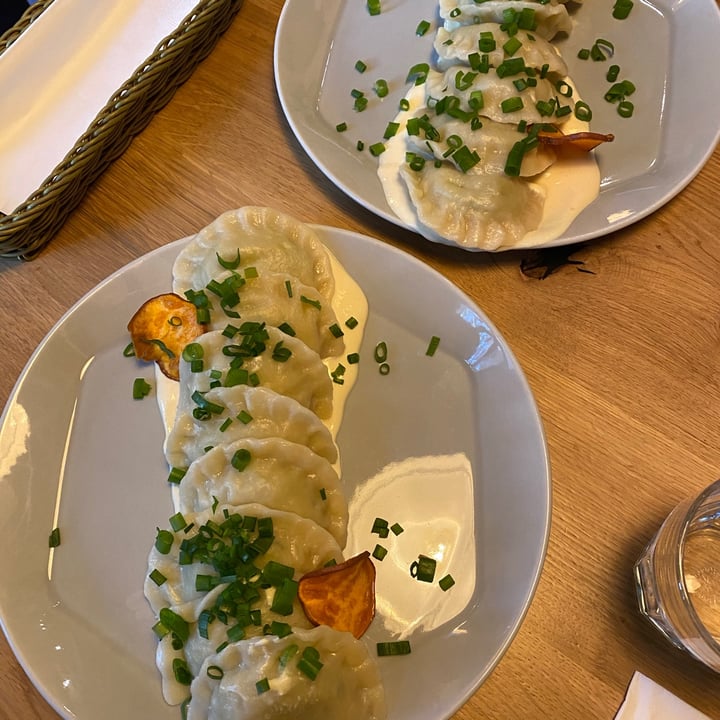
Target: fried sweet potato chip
<point>161,328</point>
<point>341,596</point>
<point>584,141</point>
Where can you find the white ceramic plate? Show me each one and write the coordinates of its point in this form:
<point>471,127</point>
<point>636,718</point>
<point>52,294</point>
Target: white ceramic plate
<point>77,452</point>
<point>665,47</point>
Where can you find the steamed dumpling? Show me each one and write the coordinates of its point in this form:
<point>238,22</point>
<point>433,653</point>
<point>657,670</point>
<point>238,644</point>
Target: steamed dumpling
<point>268,240</point>
<point>495,90</point>
<point>272,415</point>
<point>347,686</point>
<point>493,141</point>
<point>454,46</point>
<point>297,542</point>
<point>474,210</point>
<point>281,475</point>
<point>300,375</point>
<point>550,17</point>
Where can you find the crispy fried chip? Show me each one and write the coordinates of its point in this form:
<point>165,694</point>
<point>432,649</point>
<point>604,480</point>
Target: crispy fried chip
<point>341,596</point>
<point>584,141</point>
<point>161,328</point>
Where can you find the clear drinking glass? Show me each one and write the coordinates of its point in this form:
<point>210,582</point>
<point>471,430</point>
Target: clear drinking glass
<point>678,577</point>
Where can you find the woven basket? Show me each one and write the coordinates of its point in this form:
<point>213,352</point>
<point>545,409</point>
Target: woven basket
<point>30,227</point>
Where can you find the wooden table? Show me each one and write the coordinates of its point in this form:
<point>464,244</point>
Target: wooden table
<point>622,359</point>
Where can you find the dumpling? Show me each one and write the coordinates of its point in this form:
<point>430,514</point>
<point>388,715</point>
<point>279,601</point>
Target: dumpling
<point>550,17</point>
<point>474,210</point>
<point>271,415</point>
<point>280,474</point>
<point>495,90</point>
<point>296,542</point>
<point>241,603</point>
<point>253,356</point>
<point>266,239</point>
<point>454,46</point>
<point>493,141</point>
<point>347,685</point>
<point>279,299</point>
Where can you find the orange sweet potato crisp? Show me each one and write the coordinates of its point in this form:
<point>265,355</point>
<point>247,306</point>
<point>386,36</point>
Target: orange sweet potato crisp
<point>341,596</point>
<point>161,328</point>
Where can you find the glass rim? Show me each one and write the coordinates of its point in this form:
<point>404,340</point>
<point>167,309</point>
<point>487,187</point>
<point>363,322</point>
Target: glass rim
<point>688,516</point>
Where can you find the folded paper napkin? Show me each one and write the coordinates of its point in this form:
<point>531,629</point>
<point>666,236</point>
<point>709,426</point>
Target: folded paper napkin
<point>646,700</point>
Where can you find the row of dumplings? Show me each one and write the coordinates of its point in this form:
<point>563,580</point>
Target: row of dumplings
<point>495,73</point>
<point>259,501</point>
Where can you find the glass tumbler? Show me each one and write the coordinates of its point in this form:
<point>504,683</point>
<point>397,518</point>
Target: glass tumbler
<point>678,577</point>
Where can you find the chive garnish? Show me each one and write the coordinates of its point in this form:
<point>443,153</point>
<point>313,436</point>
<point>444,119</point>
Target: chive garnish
<point>54,539</point>
<point>129,350</point>
<point>157,577</point>
<point>141,388</point>
<point>446,582</point>
<point>397,647</point>
<point>176,475</point>
<point>433,345</point>
<point>229,264</point>
<point>423,569</point>
<point>379,552</point>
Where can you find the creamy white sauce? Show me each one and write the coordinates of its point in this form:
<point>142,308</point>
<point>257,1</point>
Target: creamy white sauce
<point>569,185</point>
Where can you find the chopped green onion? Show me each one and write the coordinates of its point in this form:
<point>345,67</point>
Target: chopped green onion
<point>181,671</point>
<point>229,264</point>
<point>281,353</point>
<point>512,104</point>
<point>157,577</point>
<point>353,358</point>
<point>612,73</point>
<point>174,623</point>
<point>336,330</point>
<point>446,582</point>
<point>423,569</point>
<point>360,145</point>
<point>486,42</point>
<point>512,46</point>
<point>341,127</point>
<point>351,323</point>
<point>129,350</point>
<point>391,130</point>
<point>287,655</point>
<point>381,88</point>
<point>379,552</point>
<point>397,647</point>
<point>377,149</point>
<point>323,494</point>
<point>262,686</point>
<point>244,417</point>
<point>309,663</point>
<point>214,672</point>
<point>433,345</point>
<point>360,66</point>
<point>422,28</point>
<point>418,73</point>
<point>625,109</point>
<point>583,111</point>
<point>241,459</point>
<point>397,528</point>
<point>226,423</point>
<point>380,527</point>
<point>141,388</point>
<point>284,597</point>
<point>163,541</point>
<point>176,475</point>
<point>360,103</point>
<point>54,539</point>
<point>309,301</point>
<point>622,9</point>
<point>381,352</point>
<point>384,369</point>
<point>178,522</point>
<point>374,7</point>
<point>583,54</point>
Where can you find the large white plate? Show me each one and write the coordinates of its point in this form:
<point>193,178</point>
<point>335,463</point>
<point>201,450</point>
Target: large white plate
<point>665,47</point>
<point>77,452</point>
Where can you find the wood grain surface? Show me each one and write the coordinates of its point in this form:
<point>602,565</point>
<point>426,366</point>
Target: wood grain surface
<point>621,350</point>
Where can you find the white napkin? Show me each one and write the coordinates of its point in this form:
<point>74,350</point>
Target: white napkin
<point>57,76</point>
<point>646,700</point>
